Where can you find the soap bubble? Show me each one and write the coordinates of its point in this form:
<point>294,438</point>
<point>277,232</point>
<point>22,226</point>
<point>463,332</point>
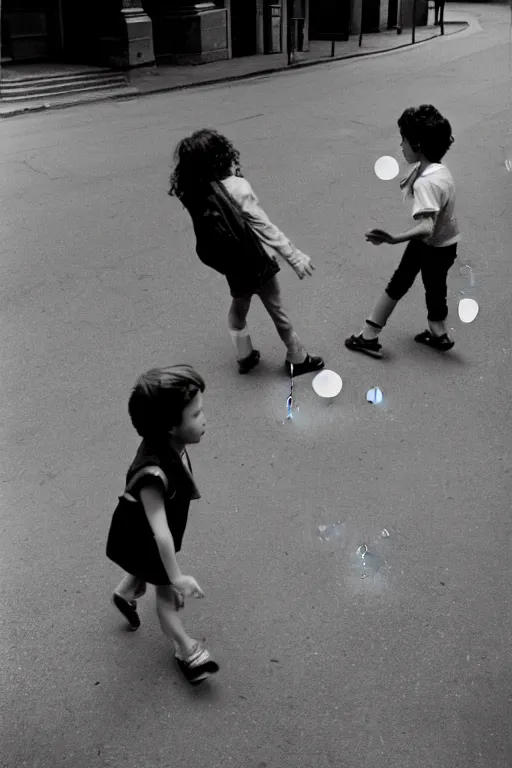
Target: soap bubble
<point>370,562</point>
<point>386,168</point>
<point>468,310</point>
<point>327,384</point>
<point>333,531</point>
<point>374,395</point>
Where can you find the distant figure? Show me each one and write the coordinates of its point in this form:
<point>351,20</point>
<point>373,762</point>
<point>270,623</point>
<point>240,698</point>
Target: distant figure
<point>439,13</point>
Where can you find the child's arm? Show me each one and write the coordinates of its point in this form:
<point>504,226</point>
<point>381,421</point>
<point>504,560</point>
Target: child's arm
<point>154,506</point>
<point>267,232</point>
<point>428,199</point>
<point>422,230</point>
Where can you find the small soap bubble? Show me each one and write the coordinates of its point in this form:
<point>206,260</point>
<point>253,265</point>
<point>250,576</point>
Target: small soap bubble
<point>468,310</point>
<point>332,531</point>
<point>374,395</point>
<point>507,151</point>
<point>466,271</point>
<point>385,533</point>
<point>386,168</point>
<point>327,384</point>
<point>372,564</point>
<point>364,563</point>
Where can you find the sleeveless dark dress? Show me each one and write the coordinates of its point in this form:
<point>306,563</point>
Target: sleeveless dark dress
<point>131,543</point>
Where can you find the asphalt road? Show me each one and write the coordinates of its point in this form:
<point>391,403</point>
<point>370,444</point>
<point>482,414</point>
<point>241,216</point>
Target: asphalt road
<point>319,667</point>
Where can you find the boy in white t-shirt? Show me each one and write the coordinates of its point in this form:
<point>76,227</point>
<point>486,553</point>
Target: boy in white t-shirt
<point>432,243</point>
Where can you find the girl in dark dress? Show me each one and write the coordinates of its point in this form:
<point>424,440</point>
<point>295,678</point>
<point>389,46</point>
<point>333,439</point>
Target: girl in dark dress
<point>146,532</point>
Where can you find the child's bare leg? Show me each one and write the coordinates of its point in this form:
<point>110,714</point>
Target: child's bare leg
<point>171,623</point>
<point>270,295</point>
<point>131,588</point>
<point>438,327</point>
<point>378,317</point>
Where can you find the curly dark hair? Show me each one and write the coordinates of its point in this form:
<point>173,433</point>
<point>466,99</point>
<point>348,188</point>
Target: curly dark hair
<point>160,396</point>
<point>427,131</point>
<point>201,158</point>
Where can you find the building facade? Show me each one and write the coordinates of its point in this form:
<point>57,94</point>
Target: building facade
<point>128,33</point>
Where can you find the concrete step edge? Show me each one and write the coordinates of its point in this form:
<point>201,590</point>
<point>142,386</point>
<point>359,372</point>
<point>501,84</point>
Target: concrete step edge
<point>86,75</point>
<point>8,85</point>
<point>42,94</point>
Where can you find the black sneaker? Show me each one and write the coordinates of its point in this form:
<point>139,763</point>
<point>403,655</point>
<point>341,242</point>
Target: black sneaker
<point>249,362</point>
<point>128,609</point>
<point>358,344</point>
<point>309,365</point>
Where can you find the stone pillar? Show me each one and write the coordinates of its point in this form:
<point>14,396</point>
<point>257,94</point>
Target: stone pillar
<point>228,27</point>
<point>284,25</point>
<point>189,32</point>
<point>306,27</point>
<point>136,35</point>
<point>129,42</point>
<point>260,27</point>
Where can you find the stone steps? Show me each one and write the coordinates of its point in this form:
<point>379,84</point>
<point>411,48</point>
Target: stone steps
<point>45,86</point>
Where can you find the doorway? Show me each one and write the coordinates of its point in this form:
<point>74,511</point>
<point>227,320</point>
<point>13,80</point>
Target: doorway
<point>329,19</point>
<point>31,30</point>
<point>243,28</point>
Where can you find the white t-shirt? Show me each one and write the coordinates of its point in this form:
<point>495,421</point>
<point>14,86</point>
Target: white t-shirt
<point>433,191</point>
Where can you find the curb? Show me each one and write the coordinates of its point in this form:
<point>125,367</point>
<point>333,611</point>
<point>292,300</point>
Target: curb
<point>224,79</point>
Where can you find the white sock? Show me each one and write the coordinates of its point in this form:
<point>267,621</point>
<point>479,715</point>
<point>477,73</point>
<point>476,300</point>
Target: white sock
<point>369,333</point>
<point>241,342</point>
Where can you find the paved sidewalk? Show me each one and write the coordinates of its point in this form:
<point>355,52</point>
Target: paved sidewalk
<point>161,79</point>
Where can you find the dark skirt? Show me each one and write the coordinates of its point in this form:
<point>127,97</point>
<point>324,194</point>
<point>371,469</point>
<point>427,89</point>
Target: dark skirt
<point>132,546</point>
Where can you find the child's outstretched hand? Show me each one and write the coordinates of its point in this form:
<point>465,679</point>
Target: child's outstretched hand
<point>301,264</point>
<point>188,586</point>
<point>379,236</point>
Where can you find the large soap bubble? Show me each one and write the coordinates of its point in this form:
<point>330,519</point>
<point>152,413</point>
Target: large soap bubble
<point>387,168</point>
<point>468,310</point>
<point>327,384</point>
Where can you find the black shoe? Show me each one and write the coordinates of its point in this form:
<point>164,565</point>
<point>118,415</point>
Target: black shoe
<point>442,343</point>
<point>128,609</point>
<point>250,362</point>
<point>309,365</point>
<point>358,344</point>
<point>199,666</point>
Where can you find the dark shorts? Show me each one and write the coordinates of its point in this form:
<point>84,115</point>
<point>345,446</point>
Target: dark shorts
<point>434,265</point>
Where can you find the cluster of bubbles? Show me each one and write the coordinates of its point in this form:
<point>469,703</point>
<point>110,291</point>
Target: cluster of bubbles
<point>328,384</point>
